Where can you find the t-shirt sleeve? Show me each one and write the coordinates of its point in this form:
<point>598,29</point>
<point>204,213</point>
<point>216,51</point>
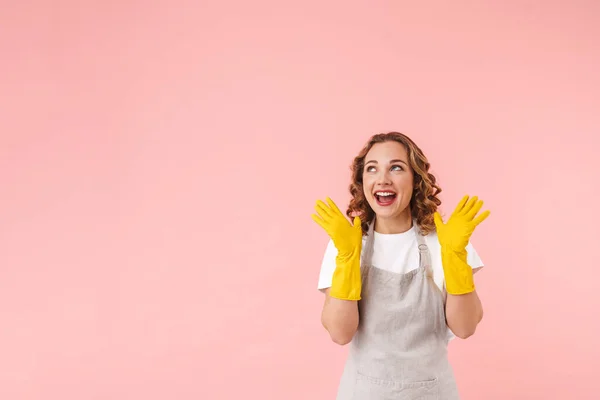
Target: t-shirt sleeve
<point>327,266</point>
<point>473,258</point>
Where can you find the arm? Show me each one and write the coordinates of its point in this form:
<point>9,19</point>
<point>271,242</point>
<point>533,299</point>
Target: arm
<point>340,311</point>
<point>340,318</point>
<point>463,313</point>
<point>463,306</point>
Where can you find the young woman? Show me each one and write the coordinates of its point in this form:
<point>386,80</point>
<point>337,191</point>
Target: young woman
<point>398,280</point>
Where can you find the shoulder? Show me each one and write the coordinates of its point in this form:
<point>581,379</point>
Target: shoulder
<point>432,241</point>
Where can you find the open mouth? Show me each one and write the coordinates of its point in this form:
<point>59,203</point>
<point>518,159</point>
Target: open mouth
<point>385,198</point>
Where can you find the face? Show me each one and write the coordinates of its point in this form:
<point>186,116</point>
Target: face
<point>388,180</point>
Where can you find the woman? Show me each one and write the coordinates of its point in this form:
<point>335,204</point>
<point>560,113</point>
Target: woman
<point>398,281</point>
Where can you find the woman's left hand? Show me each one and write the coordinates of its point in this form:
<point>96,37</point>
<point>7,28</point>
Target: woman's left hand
<point>455,234</point>
<point>454,237</point>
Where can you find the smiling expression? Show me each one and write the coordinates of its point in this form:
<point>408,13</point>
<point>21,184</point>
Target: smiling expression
<point>388,180</point>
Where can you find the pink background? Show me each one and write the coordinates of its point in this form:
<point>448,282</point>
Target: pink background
<point>155,230</point>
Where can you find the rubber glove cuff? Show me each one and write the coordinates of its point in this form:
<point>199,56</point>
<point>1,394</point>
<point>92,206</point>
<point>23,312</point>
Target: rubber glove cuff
<point>457,272</point>
<point>346,282</point>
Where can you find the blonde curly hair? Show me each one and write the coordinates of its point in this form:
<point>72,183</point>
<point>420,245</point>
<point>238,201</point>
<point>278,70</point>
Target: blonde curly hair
<point>424,201</point>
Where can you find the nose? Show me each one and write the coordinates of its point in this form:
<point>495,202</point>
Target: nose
<point>383,179</point>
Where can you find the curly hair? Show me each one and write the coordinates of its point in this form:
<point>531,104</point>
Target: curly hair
<point>424,201</point>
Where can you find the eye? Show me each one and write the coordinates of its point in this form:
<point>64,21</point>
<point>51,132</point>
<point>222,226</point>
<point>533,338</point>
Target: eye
<point>398,168</point>
<point>370,168</point>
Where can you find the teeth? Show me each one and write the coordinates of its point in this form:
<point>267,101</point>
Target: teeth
<point>384,193</point>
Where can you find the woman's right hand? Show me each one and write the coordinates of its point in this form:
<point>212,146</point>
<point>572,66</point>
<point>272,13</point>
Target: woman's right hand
<point>347,238</point>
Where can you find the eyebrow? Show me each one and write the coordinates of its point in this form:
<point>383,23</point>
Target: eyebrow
<point>391,162</point>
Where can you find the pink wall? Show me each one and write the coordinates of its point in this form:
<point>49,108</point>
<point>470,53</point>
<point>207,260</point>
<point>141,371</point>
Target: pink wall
<point>150,249</point>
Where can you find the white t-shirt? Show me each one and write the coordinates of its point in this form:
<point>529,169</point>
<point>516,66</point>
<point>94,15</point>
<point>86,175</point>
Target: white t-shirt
<point>399,253</point>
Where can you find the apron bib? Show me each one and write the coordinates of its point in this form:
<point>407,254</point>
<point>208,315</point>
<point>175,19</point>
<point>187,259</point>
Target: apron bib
<point>399,351</point>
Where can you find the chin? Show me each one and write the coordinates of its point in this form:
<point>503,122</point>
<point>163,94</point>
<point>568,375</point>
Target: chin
<point>387,214</point>
<point>394,212</point>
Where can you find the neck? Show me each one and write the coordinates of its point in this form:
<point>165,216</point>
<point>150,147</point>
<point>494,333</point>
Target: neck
<point>398,224</point>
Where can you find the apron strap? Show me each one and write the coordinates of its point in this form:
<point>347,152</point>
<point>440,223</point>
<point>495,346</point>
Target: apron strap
<point>424,255</point>
<point>368,248</point>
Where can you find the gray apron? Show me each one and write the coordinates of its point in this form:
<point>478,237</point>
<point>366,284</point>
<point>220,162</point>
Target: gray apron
<point>399,351</point>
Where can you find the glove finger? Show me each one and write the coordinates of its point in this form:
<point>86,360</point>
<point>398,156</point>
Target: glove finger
<point>323,209</point>
<point>461,204</point>
<point>324,217</point>
<point>473,211</point>
<point>320,221</point>
<point>357,223</point>
<point>333,206</point>
<point>481,217</point>
<point>469,205</point>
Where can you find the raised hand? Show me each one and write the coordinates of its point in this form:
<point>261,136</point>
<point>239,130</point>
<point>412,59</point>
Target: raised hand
<point>456,233</point>
<point>347,238</point>
<point>454,236</point>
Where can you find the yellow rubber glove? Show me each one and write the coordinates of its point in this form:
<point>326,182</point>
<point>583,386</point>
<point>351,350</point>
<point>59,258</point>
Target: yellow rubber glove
<point>454,237</point>
<point>347,238</point>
